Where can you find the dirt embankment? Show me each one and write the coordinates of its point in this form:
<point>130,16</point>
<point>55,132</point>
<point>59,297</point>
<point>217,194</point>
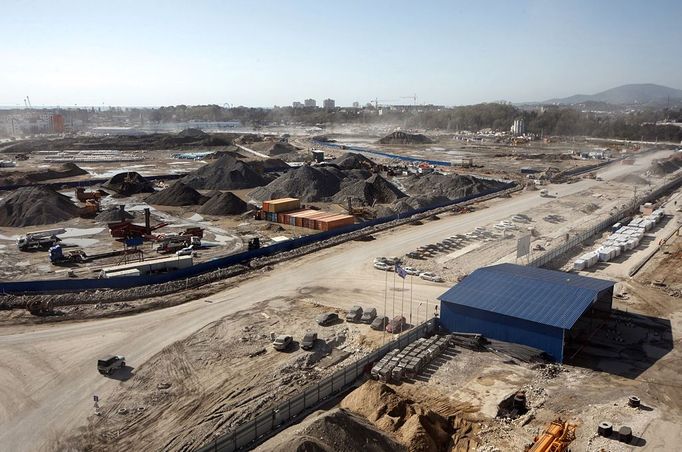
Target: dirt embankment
<point>24,178</point>
<point>666,166</point>
<point>405,138</point>
<point>414,424</point>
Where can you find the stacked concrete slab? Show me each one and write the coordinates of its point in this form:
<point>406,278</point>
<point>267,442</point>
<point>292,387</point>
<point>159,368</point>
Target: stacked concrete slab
<point>408,362</point>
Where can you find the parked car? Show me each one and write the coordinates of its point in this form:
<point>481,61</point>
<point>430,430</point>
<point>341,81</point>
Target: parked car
<point>187,251</point>
<point>327,318</point>
<point>308,341</point>
<point>282,342</point>
<point>396,325</point>
<point>379,323</point>
<point>411,271</point>
<point>428,276</point>
<point>354,314</point>
<point>382,266</point>
<point>368,315</point>
<point>379,260</point>
<point>392,260</point>
<point>413,255</point>
<point>110,364</point>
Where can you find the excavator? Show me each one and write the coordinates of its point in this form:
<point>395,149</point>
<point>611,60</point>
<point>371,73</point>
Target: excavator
<point>556,437</point>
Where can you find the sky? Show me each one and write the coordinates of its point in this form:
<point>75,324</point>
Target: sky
<point>265,53</point>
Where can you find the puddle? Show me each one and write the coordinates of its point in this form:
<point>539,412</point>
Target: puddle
<point>83,243</point>
<point>11,238</point>
<point>80,232</point>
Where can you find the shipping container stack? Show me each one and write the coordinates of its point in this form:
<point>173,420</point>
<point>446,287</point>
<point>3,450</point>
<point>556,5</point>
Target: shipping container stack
<point>289,211</point>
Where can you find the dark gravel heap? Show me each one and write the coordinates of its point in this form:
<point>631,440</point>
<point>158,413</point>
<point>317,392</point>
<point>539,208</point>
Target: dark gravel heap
<point>373,190</point>
<point>225,173</point>
<point>177,194</point>
<point>281,147</point>
<point>411,203</point>
<point>666,166</point>
<point>452,186</point>
<point>352,160</point>
<point>113,214</point>
<point>36,205</point>
<point>307,183</point>
<point>223,204</point>
<point>405,138</point>
<point>127,184</point>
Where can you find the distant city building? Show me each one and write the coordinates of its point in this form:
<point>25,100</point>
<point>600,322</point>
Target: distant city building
<point>329,104</point>
<point>356,104</point>
<point>310,103</point>
<point>519,127</point>
<point>297,105</point>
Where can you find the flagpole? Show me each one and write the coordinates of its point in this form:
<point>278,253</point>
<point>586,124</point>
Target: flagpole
<point>411,300</point>
<point>402,300</point>
<point>393,308</point>
<point>383,337</point>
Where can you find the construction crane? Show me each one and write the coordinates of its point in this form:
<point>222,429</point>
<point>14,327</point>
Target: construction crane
<point>27,102</point>
<point>413,97</point>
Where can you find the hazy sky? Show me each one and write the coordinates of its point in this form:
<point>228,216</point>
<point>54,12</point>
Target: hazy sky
<point>262,53</point>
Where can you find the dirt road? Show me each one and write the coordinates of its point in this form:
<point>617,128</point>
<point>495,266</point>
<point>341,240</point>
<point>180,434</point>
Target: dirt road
<point>48,375</point>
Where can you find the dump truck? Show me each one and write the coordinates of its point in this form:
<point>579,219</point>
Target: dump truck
<point>39,239</point>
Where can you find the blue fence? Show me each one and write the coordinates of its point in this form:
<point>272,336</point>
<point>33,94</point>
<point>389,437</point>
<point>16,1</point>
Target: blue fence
<point>85,183</point>
<point>406,158</point>
<point>70,285</point>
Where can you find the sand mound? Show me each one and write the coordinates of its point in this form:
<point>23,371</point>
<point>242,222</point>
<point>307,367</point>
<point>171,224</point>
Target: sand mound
<point>127,184</point>
<point>415,425</point>
<point>373,190</point>
<point>331,431</point>
<point>36,205</point>
<point>177,194</point>
<point>452,186</point>
<point>666,166</point>
<point>224,173</point>
<point>113,214</point>
<point>631,179</point>
<point>223,204</point>
<point>405,138</point>
<point>352,160</point>
<point>307,183</point>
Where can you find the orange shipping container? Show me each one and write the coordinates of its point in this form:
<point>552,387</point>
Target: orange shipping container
<point>281,205</point>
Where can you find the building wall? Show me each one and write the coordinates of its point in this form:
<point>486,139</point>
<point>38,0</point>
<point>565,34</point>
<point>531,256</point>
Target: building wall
<point>464,319</point>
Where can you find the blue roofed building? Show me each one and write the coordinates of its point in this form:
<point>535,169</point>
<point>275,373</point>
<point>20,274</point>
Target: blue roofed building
<point>525,305</point>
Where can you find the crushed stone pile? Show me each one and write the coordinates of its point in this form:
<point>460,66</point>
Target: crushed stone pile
<point>224,173</point>
<point>36,205</point>
<point>127,184</point>
<point>274,147</point>
<point>270,165</point>
<point>352,160</point>
<point>336,430</point>
<point>223,204</point>
<point>307,183</point>
<point>411,203</point>
<point>113,214</point>
<point>177,194</point>
<point>666,166</point>
<point>631,179</point>
<point>452,186</point>
<point>399,137</point>
<point>373,190</point>
<point>412,423</point>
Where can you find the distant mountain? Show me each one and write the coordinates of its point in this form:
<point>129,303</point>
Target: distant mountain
<point>640,94</point>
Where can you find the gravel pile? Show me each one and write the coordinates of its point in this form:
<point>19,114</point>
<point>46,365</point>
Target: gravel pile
<point>223,204</point>
<point>411,203</point>
<point>373,190</point>
<point>60,172</point>
<point>307,183</point>
<point>224,173</point>
<point>113,214</point>
<point>352,160</point>
<point>405,138</point>
<point>666,166</point>
<point>130,183</point>
<point>36,205</point>
<point>631,179</point>
<point>177,194</point>
<point>451,186</point>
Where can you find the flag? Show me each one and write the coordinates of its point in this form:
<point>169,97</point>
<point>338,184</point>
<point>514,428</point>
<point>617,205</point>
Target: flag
<point>400,271</point>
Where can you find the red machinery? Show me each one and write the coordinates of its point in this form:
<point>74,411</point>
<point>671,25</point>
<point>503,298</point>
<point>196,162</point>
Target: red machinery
<point>122,230</point>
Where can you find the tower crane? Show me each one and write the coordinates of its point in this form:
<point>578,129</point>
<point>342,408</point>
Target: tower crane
<point>413,97</point>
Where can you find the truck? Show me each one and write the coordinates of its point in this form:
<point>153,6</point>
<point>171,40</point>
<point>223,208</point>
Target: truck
<point>544,193</point>
<point>39,239</point>
<point>107,365</point>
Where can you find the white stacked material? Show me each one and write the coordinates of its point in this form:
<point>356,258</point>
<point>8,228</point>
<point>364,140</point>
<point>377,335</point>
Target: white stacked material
<point>604,254</point>
<point>579,264</point>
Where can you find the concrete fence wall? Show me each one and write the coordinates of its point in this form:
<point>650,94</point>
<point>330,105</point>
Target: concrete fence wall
<point>271,420</point>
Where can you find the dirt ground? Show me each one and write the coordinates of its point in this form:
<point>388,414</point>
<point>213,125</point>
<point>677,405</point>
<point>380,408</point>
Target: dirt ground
<point>220,377</point>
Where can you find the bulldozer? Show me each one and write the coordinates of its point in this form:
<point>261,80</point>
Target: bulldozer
<point>556,437</point>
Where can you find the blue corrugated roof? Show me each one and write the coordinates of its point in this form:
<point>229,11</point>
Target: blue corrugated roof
<point>544,296</point>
